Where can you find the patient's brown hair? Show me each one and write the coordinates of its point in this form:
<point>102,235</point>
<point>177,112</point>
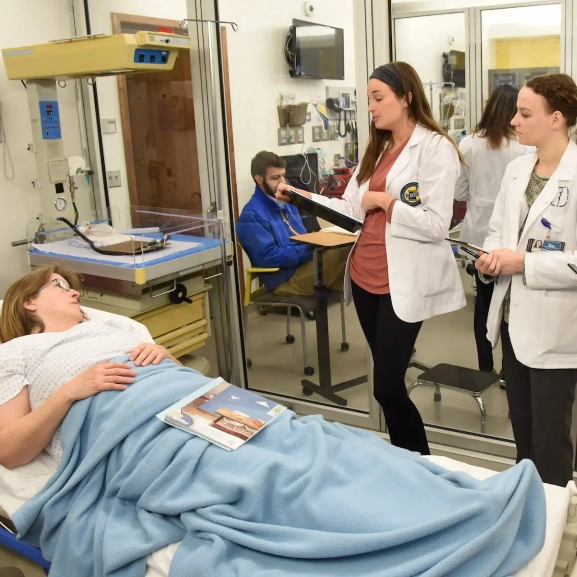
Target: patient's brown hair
<point>15,320</point>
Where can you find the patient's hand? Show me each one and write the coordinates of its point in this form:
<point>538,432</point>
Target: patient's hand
<point>147,353</point>
<point>104,376</point>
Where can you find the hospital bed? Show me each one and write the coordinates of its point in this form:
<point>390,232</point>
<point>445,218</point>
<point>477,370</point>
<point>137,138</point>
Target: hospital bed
<point>22,483</point>
<point>557,557</point>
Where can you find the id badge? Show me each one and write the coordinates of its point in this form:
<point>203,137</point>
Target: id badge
<point>537,245</point>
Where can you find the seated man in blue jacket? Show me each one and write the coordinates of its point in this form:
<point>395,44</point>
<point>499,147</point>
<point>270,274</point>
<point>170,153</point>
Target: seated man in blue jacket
<point>264,230</point>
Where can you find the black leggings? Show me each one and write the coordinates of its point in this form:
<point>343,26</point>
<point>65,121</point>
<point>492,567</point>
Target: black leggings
<point>482,304</point>
<point>391,341</point>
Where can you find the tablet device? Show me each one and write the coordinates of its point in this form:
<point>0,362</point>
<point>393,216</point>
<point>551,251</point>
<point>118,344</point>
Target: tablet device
<point>338,219</point>
<point>470,249</point>
<point>572,267</point>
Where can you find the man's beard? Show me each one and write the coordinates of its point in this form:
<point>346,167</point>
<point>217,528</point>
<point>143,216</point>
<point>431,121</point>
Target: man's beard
<point>268,190</point>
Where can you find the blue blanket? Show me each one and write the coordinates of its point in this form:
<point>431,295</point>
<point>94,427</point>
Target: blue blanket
<point>303,498</point>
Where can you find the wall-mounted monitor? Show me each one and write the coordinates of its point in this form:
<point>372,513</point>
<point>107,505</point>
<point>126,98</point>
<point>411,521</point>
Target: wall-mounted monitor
<point>316,51</point>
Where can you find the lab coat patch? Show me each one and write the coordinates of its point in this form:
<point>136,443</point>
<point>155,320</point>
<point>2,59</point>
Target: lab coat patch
<point>562,197</point>
<point>410,194</point>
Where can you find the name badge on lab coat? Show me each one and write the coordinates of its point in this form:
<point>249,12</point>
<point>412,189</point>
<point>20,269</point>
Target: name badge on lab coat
<point>536,245</point>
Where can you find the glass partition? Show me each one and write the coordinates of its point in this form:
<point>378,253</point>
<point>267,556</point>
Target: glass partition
<point>303,108</point>
<point>510,45</point>
<point>161,137</point>
<point>518,44</point>
<point>440,60</point>
<point>291,348</point>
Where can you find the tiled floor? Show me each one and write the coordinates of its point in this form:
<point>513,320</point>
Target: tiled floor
<point>278,367</point>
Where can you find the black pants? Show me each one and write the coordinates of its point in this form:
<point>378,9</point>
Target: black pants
<point>482,304</point>
<point>541,408</point>
<point>391,341</point>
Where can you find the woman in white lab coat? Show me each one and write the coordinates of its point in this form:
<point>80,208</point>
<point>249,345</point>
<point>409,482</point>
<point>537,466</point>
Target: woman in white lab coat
<point>532,238</point>
<point>487,153</point>
<point>401,270</point>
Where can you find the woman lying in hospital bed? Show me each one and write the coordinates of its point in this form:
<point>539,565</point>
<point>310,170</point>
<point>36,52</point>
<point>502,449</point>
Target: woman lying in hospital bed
<point>303,498</point>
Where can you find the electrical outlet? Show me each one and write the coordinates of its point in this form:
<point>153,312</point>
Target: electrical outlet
<point>282,136</point>
<point>331,135</point>
<point>317,133</point>
<point>108,125</point>
<point>113,178</point>
<point>323,134</point>
<point>300,135</point>
<point>291,137</point>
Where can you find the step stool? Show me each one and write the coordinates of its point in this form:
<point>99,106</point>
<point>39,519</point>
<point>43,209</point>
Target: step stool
<point>459,379</point>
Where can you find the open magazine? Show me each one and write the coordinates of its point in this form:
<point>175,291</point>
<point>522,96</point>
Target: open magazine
<point>222,414</point>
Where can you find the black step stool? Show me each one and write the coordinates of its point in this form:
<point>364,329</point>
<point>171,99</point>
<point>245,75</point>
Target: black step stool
<point>459,379</point>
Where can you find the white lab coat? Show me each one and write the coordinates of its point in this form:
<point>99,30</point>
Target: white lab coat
<point>543,317</point>
<point>480,181</point>
<point>423,276</point>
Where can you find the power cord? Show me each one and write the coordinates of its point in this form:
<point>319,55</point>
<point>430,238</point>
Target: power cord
<point>7,157</point>
<point>312,175</point>
<point>289,56</point>
<point>339,121</point>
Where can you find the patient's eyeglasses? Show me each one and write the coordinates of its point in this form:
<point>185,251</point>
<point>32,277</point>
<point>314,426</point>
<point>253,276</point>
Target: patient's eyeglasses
<point>58,282</point>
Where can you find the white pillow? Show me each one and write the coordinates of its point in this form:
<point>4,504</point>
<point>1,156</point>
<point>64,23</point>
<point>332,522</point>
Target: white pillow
<point>125,322</point>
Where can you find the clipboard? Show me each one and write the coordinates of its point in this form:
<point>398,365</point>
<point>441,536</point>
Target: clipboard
<point>470,249</point>
<point>338,219</point>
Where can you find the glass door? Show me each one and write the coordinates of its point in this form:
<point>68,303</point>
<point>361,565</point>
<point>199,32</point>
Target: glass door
<point>519,43</point>
<point>440,59</point>
<point>506,44</point>
<point>310,128</point>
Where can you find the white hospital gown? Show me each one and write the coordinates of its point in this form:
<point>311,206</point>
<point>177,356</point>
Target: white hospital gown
<point>46,361</point>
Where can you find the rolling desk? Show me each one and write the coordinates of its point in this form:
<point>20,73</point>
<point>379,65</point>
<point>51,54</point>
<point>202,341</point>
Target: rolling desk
<point>319,242</point>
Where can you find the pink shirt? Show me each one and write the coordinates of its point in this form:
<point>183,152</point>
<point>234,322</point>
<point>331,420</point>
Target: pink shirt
<point>369,267</point>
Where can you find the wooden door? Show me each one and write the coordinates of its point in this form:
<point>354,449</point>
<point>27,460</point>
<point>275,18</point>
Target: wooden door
<point>163,138</point>
<point>157,113</point>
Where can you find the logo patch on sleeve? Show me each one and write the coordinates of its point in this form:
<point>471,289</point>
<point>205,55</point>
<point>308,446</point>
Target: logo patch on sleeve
<point>410,194</point>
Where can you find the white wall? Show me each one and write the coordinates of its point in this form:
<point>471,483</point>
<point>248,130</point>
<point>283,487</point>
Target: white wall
<point>25,23</point>
<point>426,54</point>
<point>521,21</point>
<point>401,6</point>
<point>259,73</point>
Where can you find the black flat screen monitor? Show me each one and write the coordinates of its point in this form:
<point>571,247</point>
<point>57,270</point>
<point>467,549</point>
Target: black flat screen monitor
<point>318,51</point>
<point>303,172</point>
